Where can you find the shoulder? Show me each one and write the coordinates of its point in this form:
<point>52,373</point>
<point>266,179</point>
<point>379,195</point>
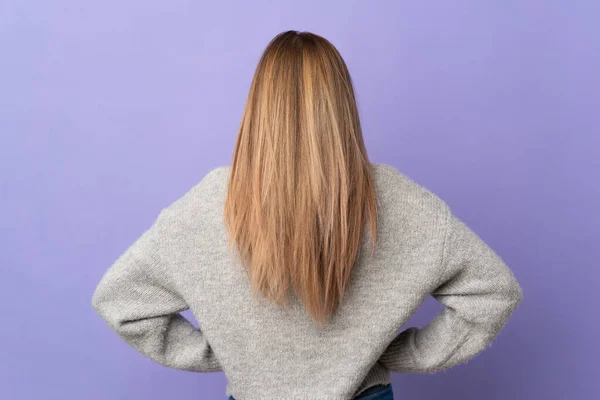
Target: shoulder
<point>201,196</point>
<point>215,174</point>
<point>397,189</point>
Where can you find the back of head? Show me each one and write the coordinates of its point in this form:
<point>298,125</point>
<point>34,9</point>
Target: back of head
<point>301,187</point>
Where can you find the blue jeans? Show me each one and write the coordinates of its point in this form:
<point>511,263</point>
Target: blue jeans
<point>377,392</point>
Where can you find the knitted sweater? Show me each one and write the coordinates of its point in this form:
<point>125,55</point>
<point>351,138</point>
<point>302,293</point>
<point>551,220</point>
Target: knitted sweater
<point>266,352</point>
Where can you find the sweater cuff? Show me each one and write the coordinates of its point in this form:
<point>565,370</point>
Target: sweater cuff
<point>400,354</point>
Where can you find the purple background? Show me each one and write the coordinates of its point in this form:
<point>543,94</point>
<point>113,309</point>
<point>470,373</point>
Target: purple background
<point>110,111</point>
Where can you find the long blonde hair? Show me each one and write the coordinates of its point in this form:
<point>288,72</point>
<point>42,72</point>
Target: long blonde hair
<point>300,186</point>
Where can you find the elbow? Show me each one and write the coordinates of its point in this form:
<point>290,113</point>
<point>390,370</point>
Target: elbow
<point>512,298</point>
<point>500,308</point>
<point>97,300</point>
<point>516,294</point>
<point>519,297</point>
<point>102,307</point>
<point>99,307</point>
<point>512,293</point>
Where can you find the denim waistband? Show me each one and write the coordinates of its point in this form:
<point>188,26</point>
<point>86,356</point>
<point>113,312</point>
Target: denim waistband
<point>380,387</point>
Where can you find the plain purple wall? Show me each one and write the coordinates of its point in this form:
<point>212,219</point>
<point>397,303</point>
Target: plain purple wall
<point>110,111</point>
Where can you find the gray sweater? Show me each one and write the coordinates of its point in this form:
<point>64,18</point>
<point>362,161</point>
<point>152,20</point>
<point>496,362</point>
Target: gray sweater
<point>181,262</point>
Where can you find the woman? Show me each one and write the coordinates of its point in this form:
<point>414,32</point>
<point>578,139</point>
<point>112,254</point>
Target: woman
<point>302,260</point>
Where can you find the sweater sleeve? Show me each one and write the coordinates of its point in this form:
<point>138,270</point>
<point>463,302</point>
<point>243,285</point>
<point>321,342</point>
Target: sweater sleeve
<point>139,301</point>
<point>479,293</point>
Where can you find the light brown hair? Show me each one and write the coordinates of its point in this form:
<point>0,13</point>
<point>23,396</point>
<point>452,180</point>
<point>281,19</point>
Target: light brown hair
<point>301,187</point>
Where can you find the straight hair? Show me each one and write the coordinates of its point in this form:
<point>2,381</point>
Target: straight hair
<point>300,188</point>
